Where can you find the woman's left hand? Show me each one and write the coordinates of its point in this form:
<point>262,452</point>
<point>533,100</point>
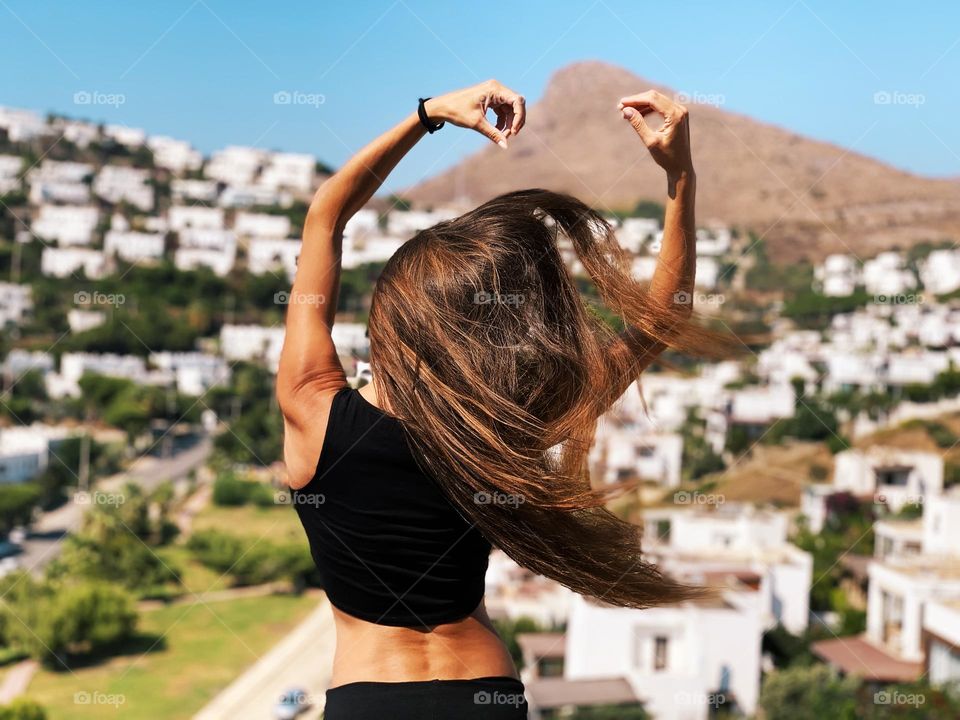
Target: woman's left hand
<point>468,108</point>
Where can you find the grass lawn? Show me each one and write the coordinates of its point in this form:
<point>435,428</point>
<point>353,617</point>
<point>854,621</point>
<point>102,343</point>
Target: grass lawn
<point>277,523</point>
<point>203,648</point>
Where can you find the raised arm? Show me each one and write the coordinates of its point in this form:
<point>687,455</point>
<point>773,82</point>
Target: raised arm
<point>310,372</point>
<point>672,282</point>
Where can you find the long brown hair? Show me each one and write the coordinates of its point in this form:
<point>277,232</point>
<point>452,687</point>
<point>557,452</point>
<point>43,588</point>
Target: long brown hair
<point>487,352</point>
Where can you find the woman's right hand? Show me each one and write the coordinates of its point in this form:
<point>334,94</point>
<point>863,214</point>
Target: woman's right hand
<point>670,144</point>
<point>468,108</point>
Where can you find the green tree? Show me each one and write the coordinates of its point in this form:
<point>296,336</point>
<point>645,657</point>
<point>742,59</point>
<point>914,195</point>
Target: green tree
<point>801,693</point>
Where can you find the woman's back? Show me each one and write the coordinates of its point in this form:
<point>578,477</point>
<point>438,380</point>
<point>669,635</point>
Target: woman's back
<point>403,570</point>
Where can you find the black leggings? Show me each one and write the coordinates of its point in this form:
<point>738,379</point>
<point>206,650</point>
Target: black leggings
<point>488,698</point>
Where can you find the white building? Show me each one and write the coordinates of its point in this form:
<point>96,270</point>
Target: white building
<point>181,217</point>
<point>73,366</point>
<point>133,247</point>
<point>10,166</point>
<point>177,156</point>
<point>67,224</point>
<point>891,476</point>
<point>629,452</point>
<point>22,124</point>
<point>269,255</point>
<point>236,165</point>
<point>911,598</point>
<point>203,191</point>
<point>289,171</point>
<point>261,225</point>
<point>682,661</point>
<point>886,276</point>
<point>838,276</point>
<point>24,454</point>
<point>63,262</point>
<point>740,541</point>
<point>128,136</point>
<point>83,320</point>
<point>195,372</point>
<point>16,303</point>
<point>762,405</point>
<point>634,233</point>
<point>117,183</point>
<point>252,343</point>
<point>407,223</point>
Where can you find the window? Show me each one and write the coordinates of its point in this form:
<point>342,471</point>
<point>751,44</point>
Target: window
<point>660,653</point>
<point>896,476</point>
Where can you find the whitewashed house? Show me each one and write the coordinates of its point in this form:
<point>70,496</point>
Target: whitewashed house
<point>289,171</point>
<point>127,136</point>
<point>117,183</point>
<point>886,276</point>
<point>252,343</point>
<point>67,224</point>
<point>83,320</point>
<point>235,165</point>
<point>270,254</point>
<point>910,597</point>
<point>195,372</point>
<point>202,191</point>
<point>627,452</point>
<point>182,217</point>
<point>737,540</point>
<point>64,262</point>
<point>682,661</point>
<point>940,272</point>
<point>134,247</point>
<point>16,303</point>
<point>261,225</point>
<point>838,276</point>
<point>178,156</point>
<point>891,476</point>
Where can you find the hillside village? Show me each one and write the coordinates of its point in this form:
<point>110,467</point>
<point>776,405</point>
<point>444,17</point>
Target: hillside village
<point>142,295</point>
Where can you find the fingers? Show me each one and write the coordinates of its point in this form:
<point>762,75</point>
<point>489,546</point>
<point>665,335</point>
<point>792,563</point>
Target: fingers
<point>635,118</point>
<point>519,112</point>
<point>484,127</point>
<point>650,101</point>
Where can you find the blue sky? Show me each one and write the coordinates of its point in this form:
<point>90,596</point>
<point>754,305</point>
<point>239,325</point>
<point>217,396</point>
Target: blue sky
<point>207,70</point>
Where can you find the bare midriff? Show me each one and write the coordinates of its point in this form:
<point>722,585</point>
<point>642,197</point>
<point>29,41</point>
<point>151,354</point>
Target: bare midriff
<point>462,650</point>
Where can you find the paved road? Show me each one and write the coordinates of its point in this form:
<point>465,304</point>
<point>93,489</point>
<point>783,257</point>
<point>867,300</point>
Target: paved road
<point>303,659</point>
<point>47,533</point>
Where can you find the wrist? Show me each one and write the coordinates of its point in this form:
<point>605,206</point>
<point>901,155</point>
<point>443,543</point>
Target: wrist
<point>681,181</point>
<point>434,110</point>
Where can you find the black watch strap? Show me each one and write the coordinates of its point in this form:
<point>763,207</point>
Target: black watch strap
<point>431,126</point>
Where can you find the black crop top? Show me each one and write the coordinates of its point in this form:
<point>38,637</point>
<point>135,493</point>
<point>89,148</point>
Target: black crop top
<point>390,547</point>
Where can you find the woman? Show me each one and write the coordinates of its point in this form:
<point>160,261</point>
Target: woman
<point>489,374</point>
